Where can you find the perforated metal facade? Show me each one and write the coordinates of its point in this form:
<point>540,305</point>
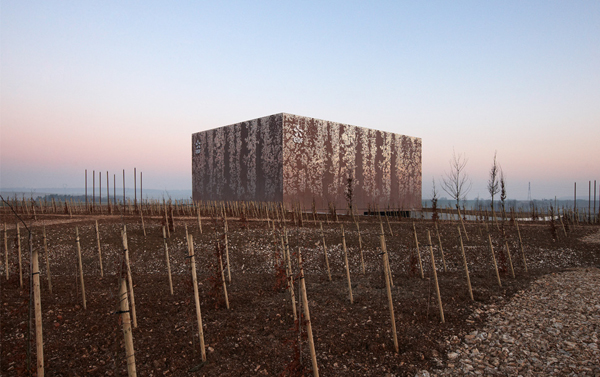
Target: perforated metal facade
<point>291,158</point>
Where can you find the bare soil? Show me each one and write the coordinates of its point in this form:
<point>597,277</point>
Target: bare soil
<point>258,335</point>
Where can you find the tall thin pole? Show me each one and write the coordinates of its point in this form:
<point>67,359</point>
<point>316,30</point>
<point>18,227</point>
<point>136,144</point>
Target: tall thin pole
<point>86,202</point>
<point>462,248</point>
<point>6,252</point>
<point>134,189</point>
<point>123,190</point>
<point>20,257</point>
<point>107,190</point>
<point>39,339</point>
<point>80,267</point>
<point>594,198</point>
<point>590,201</point>
<point>100,189</point>
<point>127,333</point>
<point>435,279</point>
<point>93,189</point>
<point>167,258</point>
<point>388,287</point>
<point>311,342</point>
<point>191,253</point>
<point>129,278</point>
<point>347,266</point>
<point>141,192</point>
<point>575,198</point>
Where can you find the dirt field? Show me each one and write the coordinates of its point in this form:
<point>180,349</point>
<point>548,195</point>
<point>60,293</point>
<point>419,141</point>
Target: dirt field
<point>258,336</point>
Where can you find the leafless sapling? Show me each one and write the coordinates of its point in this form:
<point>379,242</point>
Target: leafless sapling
<point>493,184</point>
<point>434,200</point>
<point>456,182</point>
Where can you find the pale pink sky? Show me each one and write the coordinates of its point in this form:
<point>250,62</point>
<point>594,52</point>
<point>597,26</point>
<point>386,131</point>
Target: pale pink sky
<point>89,86</point>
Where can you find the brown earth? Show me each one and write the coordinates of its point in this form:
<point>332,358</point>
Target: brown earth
<point>257,336</point>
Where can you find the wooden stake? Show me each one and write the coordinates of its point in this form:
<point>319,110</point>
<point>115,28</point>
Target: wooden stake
<point>462,223</point>
<point>199,220</point>
<point>47,261</point>
<point>227,250</point>
<point>494,259</point>
<point>172,219</point>
<point>39,339</point>
<point>325,251</point>
<point>167,259</point>
<point>223,276</point>
<point>512,271</point>
<point>80,267</point>
<point>273,233</point>
<point>441,249</point>
<point>99,250</point>
<point>142,217</point>
<point>388,223</point>
<point>166,218</point>
<point>20,256</point>
<point>191,254</point>
<point>288,271</point>
<point>6,252</point>
<point>418,252</point>
<point>127,332</point>
<point>387,255</point>
<point>462,248</point>
<point>362,259</point>
<point>388,289</point>
<point>129,278</point>
<point>562,224</point>
<point>521,245</point>
<point>311,342</point>
<point>437,286</point>
<point>347,265</point>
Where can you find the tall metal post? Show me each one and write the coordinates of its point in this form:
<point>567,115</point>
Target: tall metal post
<point>134,189</point>
<point>123,190</point>
<point>589,201</point>
<point>595,198</point>
<point>107,190</point>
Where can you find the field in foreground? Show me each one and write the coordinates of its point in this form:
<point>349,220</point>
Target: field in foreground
<point>258,335</point>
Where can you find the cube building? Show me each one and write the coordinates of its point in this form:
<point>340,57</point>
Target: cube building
<point>301,160</point>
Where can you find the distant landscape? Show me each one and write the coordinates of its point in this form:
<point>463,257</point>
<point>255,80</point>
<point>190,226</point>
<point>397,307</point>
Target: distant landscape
<point>148,194</point>
<point>79,193</point>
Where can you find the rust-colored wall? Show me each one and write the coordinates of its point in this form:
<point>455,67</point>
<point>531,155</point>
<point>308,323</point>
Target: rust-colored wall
<point>319,156</point>
<point>299,159</point>
<point>242,161</point>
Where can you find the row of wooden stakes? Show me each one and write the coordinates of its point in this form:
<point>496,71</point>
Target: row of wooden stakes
<point>127,298</point>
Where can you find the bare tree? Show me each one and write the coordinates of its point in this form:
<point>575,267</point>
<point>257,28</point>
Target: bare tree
<point>493,187</point>
<point>503,192</point>
<point>434,200</point>
<point>456,183</point>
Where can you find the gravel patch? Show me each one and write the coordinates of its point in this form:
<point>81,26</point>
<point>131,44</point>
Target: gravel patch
<point>592,238</point>
<point>551,329</point>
